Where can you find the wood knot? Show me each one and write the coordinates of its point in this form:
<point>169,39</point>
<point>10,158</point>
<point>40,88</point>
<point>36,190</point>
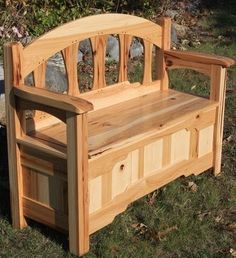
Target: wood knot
<point>122,167</point>
<point>169,63</point>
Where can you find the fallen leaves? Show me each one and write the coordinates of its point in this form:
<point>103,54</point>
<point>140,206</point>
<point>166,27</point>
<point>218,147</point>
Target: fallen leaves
<point>232,252</point>
<point>192,186</point>
<point>151,233</point>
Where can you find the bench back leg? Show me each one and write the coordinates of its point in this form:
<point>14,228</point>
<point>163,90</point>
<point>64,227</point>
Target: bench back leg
<point>12,53</point>
<point>77,169</point>
<point>218,89</point>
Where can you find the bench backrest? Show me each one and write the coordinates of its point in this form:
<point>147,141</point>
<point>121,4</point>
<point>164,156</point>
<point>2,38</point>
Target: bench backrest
<point>66,38</point>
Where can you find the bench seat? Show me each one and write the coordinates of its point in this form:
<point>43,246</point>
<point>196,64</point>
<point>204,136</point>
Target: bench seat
<point>122,122</point>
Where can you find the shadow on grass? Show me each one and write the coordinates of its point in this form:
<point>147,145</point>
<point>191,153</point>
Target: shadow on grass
<point>5,213</point>
<point>225,16</point>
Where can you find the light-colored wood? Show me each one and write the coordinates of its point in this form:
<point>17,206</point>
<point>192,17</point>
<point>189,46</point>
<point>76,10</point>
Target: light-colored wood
<point>147,75</point>
<point>77,169</point>
<point>201,58</point>
<point>88,27</point>
<point>12,75</point>
<point>161,65</point>
<point>40,76</point>
<point>205,144</point>
<point>99,53</point>
<point>117,94</point>
<point>41,146</point>
<point>122,174</point>
<point>166,156</point>
<point>119,204</point>
<point>95,194</point>
<point>44,214</point>
<point>153,157</point>
<point>180,142</point>
<point>84,157</point>
<point>194,143</point>
<point>146,185</point>
<point>51,99</point>
<point>108,158</point>
<point>218,89</point>
<point>70,55</point>
<point>124,43</point>
<point>159,111</point>
<point>175,63</point>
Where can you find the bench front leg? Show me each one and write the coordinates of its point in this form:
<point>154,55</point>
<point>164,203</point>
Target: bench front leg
<point>77,169</point>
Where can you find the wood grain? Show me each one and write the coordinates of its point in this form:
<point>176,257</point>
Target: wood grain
<point>77,169</point>
<point>12,75</point>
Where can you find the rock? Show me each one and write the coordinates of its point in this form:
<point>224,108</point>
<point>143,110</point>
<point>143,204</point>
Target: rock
<point>172,13</point>
<point>112,50</point>
<point>174,38</point>
<point>136,49</point>
<point>56,78</point>
<point>2,110</point>
<point>185,42</point>
<point>80,56</point>
<point>26,40</point>
<point>85,47</point>
<point>181,30</point>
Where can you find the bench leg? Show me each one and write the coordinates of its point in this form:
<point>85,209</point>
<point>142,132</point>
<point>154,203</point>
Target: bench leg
<point>77,169</point>
<point>14,128</point>
<point>218,89</point>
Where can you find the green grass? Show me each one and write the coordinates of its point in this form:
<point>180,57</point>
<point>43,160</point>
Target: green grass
<point>174,221</point>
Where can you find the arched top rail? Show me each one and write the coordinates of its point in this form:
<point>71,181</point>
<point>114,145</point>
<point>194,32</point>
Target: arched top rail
<point>57,39</point>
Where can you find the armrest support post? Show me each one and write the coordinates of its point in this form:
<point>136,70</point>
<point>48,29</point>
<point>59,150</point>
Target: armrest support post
<point>77,174</point>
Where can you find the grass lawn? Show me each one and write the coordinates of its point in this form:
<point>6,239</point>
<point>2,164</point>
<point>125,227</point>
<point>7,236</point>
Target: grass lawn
<point>191,217</point>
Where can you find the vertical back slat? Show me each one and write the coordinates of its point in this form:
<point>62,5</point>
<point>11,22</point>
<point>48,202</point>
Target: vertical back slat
<point>70,58</point>
<point>124,42</point>
<point>40,76</point>
<point>99,52</point>
<point>147,76</point>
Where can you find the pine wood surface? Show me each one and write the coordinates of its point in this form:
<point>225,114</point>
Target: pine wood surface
<point>122,121</point>
<point>82,158</point>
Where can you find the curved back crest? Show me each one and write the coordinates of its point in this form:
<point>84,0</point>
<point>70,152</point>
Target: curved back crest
<point>70,33</point>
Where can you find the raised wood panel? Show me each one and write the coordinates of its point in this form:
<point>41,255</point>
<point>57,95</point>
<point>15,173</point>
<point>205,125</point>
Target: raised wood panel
<point>45,189</point>
<point>153,154</point>
<point>180,144</point>
<point>205,144</point>
<point>95,194</point>
<point>122,173</point>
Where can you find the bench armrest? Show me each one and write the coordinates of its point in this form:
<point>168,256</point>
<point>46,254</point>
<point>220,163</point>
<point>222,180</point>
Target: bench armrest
<point>52,99</point>
<point>201,58</point>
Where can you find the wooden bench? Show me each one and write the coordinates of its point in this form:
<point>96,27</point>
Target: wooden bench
<point>84,157</point>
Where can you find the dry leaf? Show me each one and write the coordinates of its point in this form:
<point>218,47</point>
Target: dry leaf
<point>231,226</point>
<point>152,198</point>
<point>192,186</point>
<point>218,218</point>
<point>232,252</point>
